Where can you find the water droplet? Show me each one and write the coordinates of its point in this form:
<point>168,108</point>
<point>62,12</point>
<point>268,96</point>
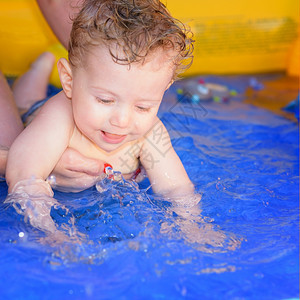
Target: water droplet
<point>101,186</point>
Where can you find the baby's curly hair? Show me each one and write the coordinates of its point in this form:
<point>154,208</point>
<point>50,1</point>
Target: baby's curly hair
<point>136,27</point>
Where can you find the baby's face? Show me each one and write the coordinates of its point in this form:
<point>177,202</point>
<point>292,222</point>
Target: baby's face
<point>114,104</point>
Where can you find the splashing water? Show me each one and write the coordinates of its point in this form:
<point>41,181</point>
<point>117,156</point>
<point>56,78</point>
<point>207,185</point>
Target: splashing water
<point>129,244</point>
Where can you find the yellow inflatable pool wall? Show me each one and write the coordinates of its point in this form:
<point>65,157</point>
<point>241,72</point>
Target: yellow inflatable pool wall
<point>231,37</point>
<point>234,36</point>
<point>24,35</point>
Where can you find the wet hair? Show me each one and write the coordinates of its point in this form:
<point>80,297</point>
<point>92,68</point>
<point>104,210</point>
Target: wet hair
<point>131,30</point>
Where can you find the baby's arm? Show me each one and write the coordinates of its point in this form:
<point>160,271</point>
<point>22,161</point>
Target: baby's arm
<point>169,178</point>
<point>32,157</point>
<point>38,148</point>
<point>164,168</point>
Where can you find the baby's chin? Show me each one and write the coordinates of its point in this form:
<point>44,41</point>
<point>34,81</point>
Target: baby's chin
<point>110,147</point>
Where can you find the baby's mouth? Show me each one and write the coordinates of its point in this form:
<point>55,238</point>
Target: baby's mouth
<point>112,138</point>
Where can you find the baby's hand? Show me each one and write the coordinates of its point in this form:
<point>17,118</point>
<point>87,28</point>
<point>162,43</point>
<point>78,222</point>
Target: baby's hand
<point>33,199</point>
<point>38,213</point>
<point>196,230</point>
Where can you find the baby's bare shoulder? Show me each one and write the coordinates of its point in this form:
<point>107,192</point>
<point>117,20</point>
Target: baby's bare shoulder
<point>59,101</point>
<point>58,108</point>
<point>55,116</point>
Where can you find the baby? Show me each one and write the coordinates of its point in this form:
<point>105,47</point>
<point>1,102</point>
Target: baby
<point>123,56</point>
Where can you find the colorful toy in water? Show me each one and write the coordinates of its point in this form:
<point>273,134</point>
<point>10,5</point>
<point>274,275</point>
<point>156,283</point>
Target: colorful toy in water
<point>202,91</point>
<point>255,84</point>
<point>111,179</point>
<point>109,176</point>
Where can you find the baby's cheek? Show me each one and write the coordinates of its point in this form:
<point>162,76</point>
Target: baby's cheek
<point>143,125</point>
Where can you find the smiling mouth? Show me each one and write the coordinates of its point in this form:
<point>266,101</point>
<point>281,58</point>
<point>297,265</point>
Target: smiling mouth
<point>112,138</point>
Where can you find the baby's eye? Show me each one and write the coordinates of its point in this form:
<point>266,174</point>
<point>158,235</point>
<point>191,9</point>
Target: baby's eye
<point>143,109</point>
<point>104,101</point>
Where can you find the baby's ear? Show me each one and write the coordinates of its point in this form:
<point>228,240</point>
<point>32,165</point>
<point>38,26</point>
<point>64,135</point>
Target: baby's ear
<point>65,76</point>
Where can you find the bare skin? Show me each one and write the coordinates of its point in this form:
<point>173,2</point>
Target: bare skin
<point>32,86</point>
<point>101,126</point>
<point>73,172</point>
<point>72,165</point>
<point>10,122</point>
<point>59,15</point>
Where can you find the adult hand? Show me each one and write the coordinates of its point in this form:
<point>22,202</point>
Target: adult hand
<point>75,172</point>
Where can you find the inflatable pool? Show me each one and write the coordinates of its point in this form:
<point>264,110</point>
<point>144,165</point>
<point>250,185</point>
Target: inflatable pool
<point>245,162</point>
<point>231,37</point>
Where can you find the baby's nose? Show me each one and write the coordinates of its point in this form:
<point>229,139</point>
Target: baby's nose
<point>120,118</point>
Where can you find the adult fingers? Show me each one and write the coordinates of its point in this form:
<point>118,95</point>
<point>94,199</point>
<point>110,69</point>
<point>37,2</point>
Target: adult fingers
<point>73,160</point>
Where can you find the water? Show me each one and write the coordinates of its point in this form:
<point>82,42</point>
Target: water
<point>245,162</point>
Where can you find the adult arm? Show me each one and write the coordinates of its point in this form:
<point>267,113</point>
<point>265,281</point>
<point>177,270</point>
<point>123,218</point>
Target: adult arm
<point>3,160</point>
<point>10,121</point>
<point>59,15</point>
